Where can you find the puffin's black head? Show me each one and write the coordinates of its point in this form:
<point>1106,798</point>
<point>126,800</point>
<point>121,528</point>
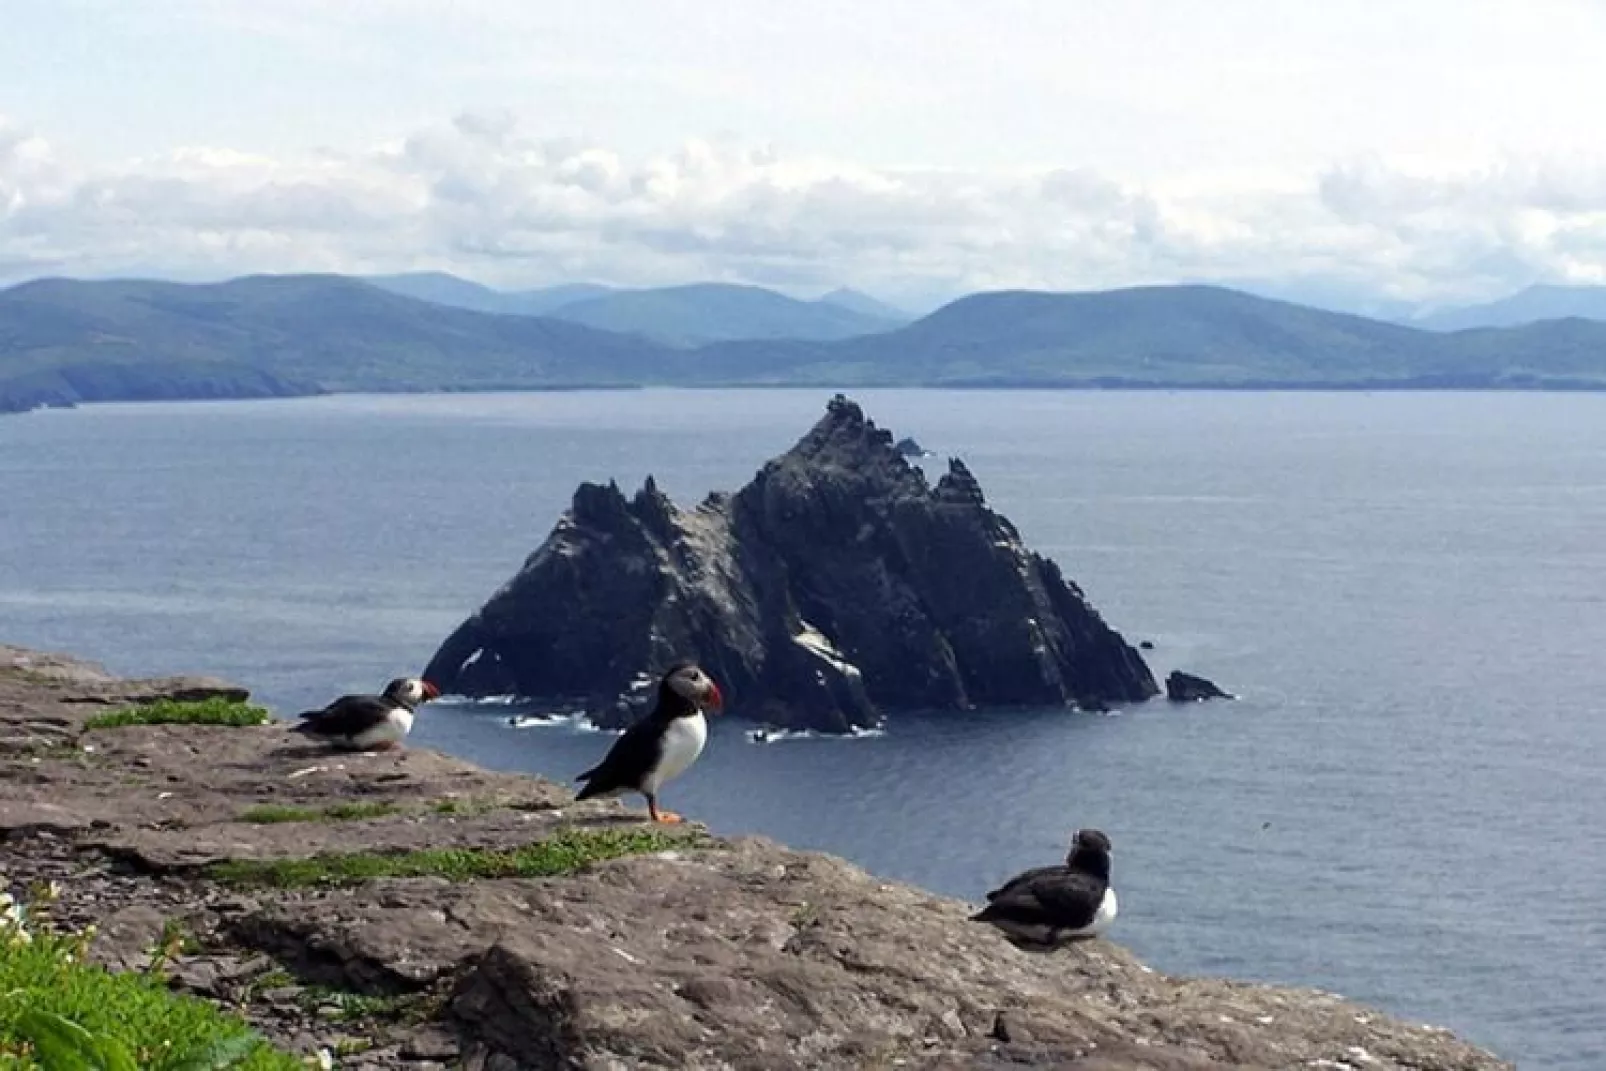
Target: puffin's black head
<point>685,683</point>
<point>411,691</point>
<point>1090,852</point>
<point>1092,840</point>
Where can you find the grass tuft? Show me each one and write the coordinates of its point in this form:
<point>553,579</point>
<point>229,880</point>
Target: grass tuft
<point>275,813</point>
<point>346,1006</point>
<point>176,712</point>
<point>560,854</point>
<point>473,806</point>
<point>54,1008</point>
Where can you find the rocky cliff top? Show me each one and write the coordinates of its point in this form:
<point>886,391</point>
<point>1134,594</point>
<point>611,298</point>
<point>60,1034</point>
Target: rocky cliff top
<point>694,953</point>
<point>835,586</point>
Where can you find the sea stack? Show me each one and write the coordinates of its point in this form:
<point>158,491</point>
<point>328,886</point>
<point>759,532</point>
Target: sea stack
<point>1183,687</point>
<point>835,586</point>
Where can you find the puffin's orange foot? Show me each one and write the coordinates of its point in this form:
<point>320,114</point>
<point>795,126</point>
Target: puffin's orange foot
<point>668,818</point>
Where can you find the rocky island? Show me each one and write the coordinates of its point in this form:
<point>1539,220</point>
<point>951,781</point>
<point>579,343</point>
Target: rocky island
<point>837,585</point>
<point>410,911</point>
<point>1183,687</point>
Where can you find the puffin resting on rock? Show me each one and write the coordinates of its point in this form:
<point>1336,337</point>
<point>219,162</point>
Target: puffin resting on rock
<point>364,722</point>
<point>1049,905</point>
<point>660,746</point>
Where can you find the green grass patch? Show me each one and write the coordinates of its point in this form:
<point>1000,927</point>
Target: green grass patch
<point>175,712</point>
<point>58,1013</point>
<point>472,806</point>
<point>274,813</point>
<point>567,851</point>
<point>345,1006</point>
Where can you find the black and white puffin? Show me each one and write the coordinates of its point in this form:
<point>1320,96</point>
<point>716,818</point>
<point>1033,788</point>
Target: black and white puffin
<point>370,721</point>
<point>1048,905</point>
<point>660,746</point>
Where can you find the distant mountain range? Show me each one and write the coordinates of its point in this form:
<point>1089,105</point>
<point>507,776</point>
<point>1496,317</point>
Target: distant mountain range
<point>684,316</point>
<point>444,289</point>
<point>1524,307</point>
<point>65,341</point>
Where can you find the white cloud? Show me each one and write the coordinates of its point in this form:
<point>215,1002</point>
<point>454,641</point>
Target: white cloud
<point>488,197</point>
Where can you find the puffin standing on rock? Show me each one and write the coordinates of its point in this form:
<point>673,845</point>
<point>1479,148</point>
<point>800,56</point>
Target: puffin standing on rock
<point>1048,905</point>
<point>362,722</point>
<point>660,746</point>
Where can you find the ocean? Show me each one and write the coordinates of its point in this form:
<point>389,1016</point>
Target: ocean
<point>1406,590</point>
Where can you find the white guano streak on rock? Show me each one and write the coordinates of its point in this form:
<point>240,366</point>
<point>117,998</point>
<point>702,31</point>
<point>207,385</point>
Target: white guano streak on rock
<point>815,642</point>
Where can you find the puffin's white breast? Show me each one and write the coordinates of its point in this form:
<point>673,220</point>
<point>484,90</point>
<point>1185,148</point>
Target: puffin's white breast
<point>397,724</point>
<point>683,742</point>
<point>1108,908</point>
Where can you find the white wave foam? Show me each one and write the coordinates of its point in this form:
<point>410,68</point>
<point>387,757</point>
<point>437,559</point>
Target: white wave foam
<point>574,721</point>
<point>775,736</point>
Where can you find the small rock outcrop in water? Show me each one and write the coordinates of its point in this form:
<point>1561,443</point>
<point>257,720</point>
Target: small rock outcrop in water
<point>836,585</point>
<point>720,953</point>
<point>1183,687</point>
<point>910,448</point>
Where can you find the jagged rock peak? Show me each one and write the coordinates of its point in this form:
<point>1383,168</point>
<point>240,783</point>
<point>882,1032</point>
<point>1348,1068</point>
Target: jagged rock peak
<point>844,439</point>
<point>600,505</point>
<point>844,434</point>
<point>654,508</point>
<point>960,485</point>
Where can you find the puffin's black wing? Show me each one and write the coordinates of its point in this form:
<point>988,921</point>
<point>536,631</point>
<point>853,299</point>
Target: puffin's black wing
<point>1057,896</point>
<point>1023,876</point>
<point>346,716</point>
<point>630,759</point>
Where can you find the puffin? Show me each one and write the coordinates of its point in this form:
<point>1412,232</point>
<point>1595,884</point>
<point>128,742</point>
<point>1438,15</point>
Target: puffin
<point>1049,905</point>
<point>660,746</point>
<point>362,722</point>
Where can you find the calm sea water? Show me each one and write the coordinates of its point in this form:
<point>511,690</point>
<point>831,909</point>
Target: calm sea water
<point>1409,591</point>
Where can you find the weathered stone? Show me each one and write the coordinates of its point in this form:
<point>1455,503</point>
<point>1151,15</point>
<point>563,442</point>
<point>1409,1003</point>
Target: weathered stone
<point>128,936</point>
<point>836,585</point>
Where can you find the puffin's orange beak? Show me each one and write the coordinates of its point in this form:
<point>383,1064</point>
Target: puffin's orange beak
<point>430,691</point>
<point>712,699</point>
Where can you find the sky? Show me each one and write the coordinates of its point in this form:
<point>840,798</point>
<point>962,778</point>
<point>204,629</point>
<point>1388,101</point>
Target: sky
<point>1359,153</point>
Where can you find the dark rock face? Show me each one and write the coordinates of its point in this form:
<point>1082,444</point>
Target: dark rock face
<point>1183,687</point>
<point>835,585</point>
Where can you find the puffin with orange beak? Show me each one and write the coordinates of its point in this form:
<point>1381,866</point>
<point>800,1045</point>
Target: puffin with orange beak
<point>364,722</point>
<point>660,746</point>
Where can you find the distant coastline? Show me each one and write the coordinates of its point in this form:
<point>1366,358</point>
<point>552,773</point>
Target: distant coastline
<point>66,342</point>
<point>1269,387</point>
